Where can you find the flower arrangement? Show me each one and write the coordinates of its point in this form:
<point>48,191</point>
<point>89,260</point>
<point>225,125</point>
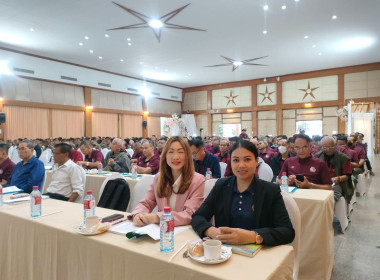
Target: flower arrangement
<point>175,126</point>
<point>343,112</point>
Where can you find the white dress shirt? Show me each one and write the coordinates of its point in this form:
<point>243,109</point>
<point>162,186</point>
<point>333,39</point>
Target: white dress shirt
<point>173,197</point>
<point>66,179</point>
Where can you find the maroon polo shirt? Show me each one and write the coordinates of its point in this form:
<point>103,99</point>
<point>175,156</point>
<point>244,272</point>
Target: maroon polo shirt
<point>360,151</point>
<point>266,156</point>
<point>6,169</point>
<point>208,149</point>
<point>314,151</point>
<point>137,155</point>
<point>153,163</point>
<point>346,169</point>
<point>95,156</point>
<point>348,152</point>
<point>76,156</point>
<point>314,169</point>
<point>225,158</point>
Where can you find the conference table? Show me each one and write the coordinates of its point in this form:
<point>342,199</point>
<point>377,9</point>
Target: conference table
<point>317,233</point>
<point>48,247</point>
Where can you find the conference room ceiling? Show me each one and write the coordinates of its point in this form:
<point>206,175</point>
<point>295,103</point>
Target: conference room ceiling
<point>302,37</point>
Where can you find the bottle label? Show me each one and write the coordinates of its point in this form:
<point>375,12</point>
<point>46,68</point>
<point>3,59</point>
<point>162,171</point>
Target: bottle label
<point>92,203</point>
<point>37,200</point>
<point>1,191</point>
<point>86,204</point>
<point>167,226</point>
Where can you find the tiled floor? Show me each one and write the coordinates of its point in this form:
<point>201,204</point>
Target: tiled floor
<point>357,251</point>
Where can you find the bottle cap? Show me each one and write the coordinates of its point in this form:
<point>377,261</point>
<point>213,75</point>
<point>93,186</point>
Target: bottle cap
<point>35,187</point>
<point>284,173</point>
<point>89,192</point>
<point>208,168</point>
<point>167,209</point>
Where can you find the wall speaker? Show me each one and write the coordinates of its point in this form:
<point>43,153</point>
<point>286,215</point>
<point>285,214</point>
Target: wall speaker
<point>145,123</point>
<point>2,117</point>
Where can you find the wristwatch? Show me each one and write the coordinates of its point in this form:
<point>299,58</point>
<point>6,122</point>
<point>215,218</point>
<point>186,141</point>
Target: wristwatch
<point>259,238</point>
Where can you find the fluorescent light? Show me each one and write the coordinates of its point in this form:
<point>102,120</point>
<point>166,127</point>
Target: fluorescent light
<point>356,43</point>
<point>4,70</point>
<point>155,23</point>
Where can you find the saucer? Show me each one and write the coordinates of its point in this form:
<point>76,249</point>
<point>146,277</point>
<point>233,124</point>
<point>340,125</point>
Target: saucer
<point>226,254</point>
<point>83,231</point>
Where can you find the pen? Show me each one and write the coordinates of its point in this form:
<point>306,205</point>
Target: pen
<point>118,222</point>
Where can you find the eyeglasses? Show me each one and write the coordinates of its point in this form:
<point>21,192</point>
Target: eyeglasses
<point>301,148</point>
<point>328,148</point>
<point>195,153</point>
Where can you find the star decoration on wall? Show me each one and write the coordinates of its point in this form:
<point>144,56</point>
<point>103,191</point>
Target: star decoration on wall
<point>147,20</point>
<point>236,63</point>
<point>231,98</point>
<point>308,91</point>
<point>266,95</point>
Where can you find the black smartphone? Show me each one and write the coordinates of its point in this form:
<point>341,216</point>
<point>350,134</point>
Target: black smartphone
<point>112,218</point>
<point>299,177</point>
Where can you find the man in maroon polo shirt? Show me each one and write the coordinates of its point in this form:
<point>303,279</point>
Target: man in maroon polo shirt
<point>149,163</point>
<point>6,165</point>
<point>315,171</point>
<point>137,151</point>
<point>343,148</point>
<point>92,157</point>
<point>224,155</point>
<point>263,151</point>
<point>352,143</point>
<point>160,146</point>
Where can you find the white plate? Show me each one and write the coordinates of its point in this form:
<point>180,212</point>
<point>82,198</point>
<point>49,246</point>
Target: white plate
<point>226,254</point>
<point>83,231</point>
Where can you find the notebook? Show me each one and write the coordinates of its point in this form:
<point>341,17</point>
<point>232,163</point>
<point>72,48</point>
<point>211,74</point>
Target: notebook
<point>248,250</point>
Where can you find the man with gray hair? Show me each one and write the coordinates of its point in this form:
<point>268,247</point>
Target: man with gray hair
<point>30,171</point>
<point>339,167</point>
<point>264,153</point>
<point>116,160</point>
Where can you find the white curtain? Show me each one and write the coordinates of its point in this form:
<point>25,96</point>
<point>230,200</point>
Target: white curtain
<point>363,123</point>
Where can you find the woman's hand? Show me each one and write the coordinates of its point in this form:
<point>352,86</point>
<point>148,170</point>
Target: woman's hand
<point>235,236</point>
<point>142,219</point>
<point>212,232</point>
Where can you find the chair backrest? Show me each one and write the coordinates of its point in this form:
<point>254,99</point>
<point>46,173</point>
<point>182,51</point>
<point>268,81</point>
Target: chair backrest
<point>113,176</point>
<point>265,172</point>
<point>139,191</point>
<point>295,218</point>
<point>223,167</point>
<point>115,195</point>
<point>105,152</point>
<point>45,157</point>
<point>130,151</point>
<point>209,184</point>
<point>80,198</point>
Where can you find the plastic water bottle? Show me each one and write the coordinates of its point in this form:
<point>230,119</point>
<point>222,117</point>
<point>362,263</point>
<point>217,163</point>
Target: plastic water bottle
<point>208,174</point>
<point>89,205</point>
<point>284,182</point>
<point>167,231</point>
<point>134,171</point>
<point>1,195</point>
<point>35,202</point>
<point>100,168</point>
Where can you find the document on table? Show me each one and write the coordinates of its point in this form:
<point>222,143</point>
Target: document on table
<point>11,189</point>
<point>21,199</point>
<point>153,230</point>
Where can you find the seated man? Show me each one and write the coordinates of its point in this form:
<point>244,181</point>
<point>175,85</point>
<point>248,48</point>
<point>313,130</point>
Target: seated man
<point>367,162</point>
<point>343,148</point>
<point>315,172</point>
<point>160,146</point>
<point>30,171</point>
<point>68,180</point>
<point>116,159</point>
<point>352,143</point>
<point>149,163</point>
<point>92,157</point>
<point>137,151</point>
<point>339,166</point>
<point>6,165</point>
<point>264,153</point>
<point>203,160</point>
<point>277,161</point>
<point>224,155</point>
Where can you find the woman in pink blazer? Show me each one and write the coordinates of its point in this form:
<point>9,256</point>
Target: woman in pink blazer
<point>176,185</point>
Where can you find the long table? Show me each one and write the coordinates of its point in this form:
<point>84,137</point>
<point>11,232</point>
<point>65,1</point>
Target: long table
<point>49,248</point>
<point>317,233</point>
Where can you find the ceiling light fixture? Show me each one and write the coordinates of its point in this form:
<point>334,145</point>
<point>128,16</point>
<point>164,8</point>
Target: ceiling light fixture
<point>145,92</point>
<point>141,63</point>
<point>155,24</point>
<point>230,110</point>
<point>278,78</point>
<point>106,35</point>
<point>236,63</point>
<point>306,37</point>
<point>334,17</point>
<point>266,7</point>
<point>296,0</point>
<point>121,60</point>
<point>89,107</point>
<point>91,51</point>
<point>128,39</point>
<point>100,57</point>
<point>320,53</point>
<point>356,43</point>
<point>314,46</point>
<point>265,32</point>
<point>31,29</point>
<point>80,44</point>
<point>283,7</point>
<point>129,44</point>
<point>4,70</point>
<point>86,37</point>
<point>265,79</point>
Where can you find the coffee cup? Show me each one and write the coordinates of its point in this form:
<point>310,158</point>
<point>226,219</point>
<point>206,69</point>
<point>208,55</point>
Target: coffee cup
<point>91,222</point>
<point>212,249</point>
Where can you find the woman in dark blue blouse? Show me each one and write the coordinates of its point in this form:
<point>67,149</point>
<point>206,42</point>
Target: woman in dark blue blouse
<point>245,209</point>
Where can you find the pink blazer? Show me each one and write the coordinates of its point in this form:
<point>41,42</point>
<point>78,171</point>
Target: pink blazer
<point>186,203</point>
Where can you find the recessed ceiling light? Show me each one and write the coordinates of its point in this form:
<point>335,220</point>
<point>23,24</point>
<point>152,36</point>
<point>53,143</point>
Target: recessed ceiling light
<point>189,74</point>
<point>306,36</point>
<point>106,35</point>
<point>80,44</point>
<point>121,60</point>
<point>314,46</point>
<point>129,44</point>
<point>334,17</point>
<point>266,7</point>
<point>265,32</point>
<point>91,51</point>
<point>155,23</point>
<point>141,62</point>
<point>320,53</point>
<point>86,37</point>
<point>283,7</point>
<point>31,29</point>
<point>128,39</point>
<point>296,0</point>
<point>100,57</point>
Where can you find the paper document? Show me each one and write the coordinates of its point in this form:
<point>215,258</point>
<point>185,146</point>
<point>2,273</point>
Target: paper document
<point>26,198</point>
<point>153,230</point>
<point>11,189</point>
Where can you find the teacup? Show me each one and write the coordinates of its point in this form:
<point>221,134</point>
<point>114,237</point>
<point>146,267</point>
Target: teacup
<point>212,249</point>
<point>92,222</point>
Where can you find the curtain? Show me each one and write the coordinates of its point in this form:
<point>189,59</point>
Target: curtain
<point>131,126</point>
<point>26,122</point>
<point>67,123</point>
<point>154,126</point>
<point>105,124</point>
<point>363,123</point>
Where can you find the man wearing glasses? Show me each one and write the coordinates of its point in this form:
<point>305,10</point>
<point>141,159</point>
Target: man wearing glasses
<point>313,171</point>
<point>339,166</point>
<point>203,160</point>
<point>30,171</point>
